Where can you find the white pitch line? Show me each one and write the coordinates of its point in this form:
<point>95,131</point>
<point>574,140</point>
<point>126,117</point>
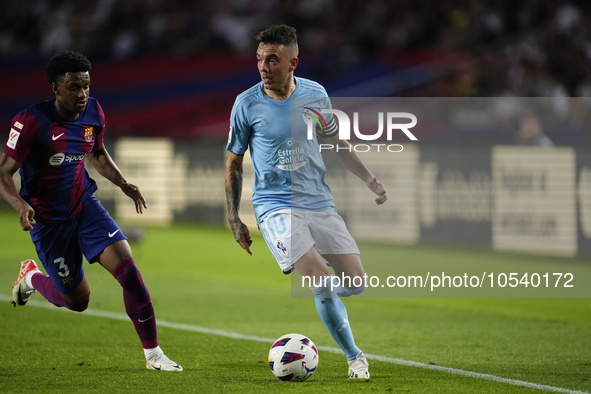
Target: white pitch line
<point>235,335</point>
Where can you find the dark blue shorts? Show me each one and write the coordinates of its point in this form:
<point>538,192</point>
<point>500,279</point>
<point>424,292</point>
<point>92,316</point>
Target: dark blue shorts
<point>60,246</point>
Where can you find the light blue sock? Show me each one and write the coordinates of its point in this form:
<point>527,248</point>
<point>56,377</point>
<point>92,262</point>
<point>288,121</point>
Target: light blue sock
<point>333,314</point>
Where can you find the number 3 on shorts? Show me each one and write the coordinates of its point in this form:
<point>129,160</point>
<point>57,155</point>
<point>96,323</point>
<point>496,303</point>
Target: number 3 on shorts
<point>62,262</point>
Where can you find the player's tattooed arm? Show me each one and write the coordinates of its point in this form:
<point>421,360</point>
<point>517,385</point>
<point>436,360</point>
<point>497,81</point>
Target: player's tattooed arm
<point>233,184</point>
<point>104,164</point>
<point>350,159</point>
<point>8,167</point>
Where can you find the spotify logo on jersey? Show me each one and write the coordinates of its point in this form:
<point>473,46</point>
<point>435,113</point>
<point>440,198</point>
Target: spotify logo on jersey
<point>57,159</point>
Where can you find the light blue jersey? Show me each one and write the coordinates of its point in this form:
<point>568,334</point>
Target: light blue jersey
<point>288,168</point>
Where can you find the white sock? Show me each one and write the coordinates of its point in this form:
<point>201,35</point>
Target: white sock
<point>151,353</point>
<point>29,278</point>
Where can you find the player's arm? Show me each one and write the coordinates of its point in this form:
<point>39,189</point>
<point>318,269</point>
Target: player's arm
<point>233,181</point>
<point>8,166</point>
<point>104,164</point>
<point>353,163</point>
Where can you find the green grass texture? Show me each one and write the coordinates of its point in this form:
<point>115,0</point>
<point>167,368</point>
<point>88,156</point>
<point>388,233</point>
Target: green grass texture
<point>205,290</point>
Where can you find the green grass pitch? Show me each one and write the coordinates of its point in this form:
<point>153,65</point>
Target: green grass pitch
<point>198,276</point>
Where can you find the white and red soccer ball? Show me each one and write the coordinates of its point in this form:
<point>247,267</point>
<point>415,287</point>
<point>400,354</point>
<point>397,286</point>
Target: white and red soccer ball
<point>293,357</point>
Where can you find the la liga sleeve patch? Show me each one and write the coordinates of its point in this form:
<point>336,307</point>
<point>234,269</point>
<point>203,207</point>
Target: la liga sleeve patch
<point>12,138</point>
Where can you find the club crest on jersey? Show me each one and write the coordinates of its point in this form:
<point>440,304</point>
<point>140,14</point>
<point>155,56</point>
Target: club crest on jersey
<point>88,134</point>
<point>282,248</point>
<point>68,281</point>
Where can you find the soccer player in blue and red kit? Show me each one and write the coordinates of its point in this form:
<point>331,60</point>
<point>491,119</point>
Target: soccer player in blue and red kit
<point>49,143</point>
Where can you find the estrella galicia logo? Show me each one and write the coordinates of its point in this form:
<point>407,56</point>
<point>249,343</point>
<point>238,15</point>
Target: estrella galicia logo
<point>290,155</point>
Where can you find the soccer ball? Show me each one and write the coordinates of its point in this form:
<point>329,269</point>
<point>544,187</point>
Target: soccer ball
<point>293,357</point>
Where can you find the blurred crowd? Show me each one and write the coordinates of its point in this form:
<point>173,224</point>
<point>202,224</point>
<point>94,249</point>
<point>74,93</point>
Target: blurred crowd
<point>520,48</point>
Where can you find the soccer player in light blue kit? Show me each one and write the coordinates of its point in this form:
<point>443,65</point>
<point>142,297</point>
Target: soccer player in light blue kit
<point>292,203</point>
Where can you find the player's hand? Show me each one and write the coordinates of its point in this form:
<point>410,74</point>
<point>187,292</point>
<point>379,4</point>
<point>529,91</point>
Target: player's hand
<point>241,234</point>
<point>27,217</point>
<point>133,192</point>
<point>379,189</point>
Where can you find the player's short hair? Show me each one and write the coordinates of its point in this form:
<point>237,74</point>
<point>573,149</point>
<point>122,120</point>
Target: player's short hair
<point>66,61</point>
<point>278,34</point>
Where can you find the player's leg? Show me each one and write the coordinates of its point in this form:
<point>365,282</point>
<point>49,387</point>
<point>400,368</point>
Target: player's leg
<point>31,280</point>
<point>65,284</point>
<point>350,273</point>
<point>117,259</point>
<point>288,237</point>
<point>313,266</point>
<point>329,306</point>
<point>102,241</point>
<point>75,300</point>
<point>334,242</point>
<point>349,270</point>
<point>337,246</point>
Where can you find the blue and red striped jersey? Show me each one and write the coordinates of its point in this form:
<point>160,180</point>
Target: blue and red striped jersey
<point>52,153</point>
